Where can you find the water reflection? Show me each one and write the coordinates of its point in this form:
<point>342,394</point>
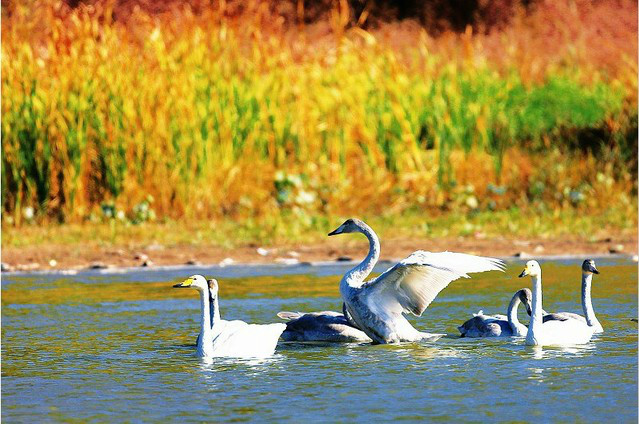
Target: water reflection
<point>252,366</point>
<point>548,352</point>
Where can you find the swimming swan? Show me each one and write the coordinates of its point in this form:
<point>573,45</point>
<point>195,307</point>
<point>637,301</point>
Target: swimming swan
<point>212,303</point>
<point>588,268</point>
<point>324,326</point>
<point>376,306</point>
<point>566,331</point>
<point>499,325</point>
<point>221,338</point>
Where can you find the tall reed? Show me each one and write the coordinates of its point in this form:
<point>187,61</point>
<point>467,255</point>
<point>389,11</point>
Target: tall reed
<point>214,119</point>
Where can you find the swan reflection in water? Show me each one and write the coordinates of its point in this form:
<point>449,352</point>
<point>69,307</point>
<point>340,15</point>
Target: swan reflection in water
<point>547,352</point>
<point>249,366</point>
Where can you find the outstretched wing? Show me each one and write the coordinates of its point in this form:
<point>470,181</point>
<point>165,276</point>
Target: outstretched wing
<point>413,283</point>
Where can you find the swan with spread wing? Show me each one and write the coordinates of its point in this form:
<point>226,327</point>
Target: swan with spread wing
<point>378,306</point>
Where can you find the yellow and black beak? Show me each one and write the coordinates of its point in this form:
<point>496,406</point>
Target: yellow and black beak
<point>524,273</point>
<point>183,284</point>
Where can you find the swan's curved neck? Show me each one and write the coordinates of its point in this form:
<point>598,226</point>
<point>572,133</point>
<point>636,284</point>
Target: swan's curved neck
<point>355,277</point>
<point>586,301</point>
<point>214,310</point>
<point>534,328</point>
<point>205,342</point>
<point>513,320</point>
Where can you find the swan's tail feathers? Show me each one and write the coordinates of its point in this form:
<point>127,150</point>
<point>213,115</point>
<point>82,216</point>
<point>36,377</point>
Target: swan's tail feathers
<point>289,315</point>
<point>479,313</point>
<point>431,337</point>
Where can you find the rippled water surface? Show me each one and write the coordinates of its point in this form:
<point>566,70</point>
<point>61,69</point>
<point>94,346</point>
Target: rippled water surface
<point>119,347</point>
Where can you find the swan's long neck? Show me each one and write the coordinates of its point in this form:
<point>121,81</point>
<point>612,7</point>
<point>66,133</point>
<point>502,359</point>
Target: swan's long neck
<point>586,301</point>
<point>355,277</point>
<point>534,328</point>
<point>214,310</point>
<point>513,320</point>
<point>205,342</point>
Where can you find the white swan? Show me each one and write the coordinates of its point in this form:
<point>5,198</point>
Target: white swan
<point>324,326</point>
<point>588,268</point>
<point>499,325</point>
<point>566,331</point>
<point>228,338</point>
<point>213,305</point>
<point>376,306</point>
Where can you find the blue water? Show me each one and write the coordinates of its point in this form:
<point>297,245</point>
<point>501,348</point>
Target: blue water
<point>119,347</point>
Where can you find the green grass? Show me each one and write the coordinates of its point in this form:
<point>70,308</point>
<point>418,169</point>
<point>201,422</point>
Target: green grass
<point>513,223</point>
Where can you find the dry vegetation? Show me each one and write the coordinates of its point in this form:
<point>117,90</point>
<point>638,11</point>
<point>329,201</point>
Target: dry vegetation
<point>266,110</point>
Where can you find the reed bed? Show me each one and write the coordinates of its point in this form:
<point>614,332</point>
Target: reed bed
<point>200,116</point>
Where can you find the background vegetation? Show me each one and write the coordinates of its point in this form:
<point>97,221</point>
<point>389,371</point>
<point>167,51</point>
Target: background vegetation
<point>259,112</point>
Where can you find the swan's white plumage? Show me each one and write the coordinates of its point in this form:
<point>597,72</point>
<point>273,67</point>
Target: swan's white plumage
<point>588,269</point>
<point>567,331</point>
<point>412,284</point>
<point>240,339</point>
<point>560,333</point>
<point>377,306</point>
<point>221,338</point>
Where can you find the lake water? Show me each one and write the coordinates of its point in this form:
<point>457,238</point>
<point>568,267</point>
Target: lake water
<point>120,347</point>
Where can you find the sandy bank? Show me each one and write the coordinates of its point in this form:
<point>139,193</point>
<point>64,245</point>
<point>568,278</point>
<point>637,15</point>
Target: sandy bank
<point>52,257</point>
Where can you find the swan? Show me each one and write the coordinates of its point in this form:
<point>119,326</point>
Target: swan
<point>221,338</point>
<point>212,303</point>
<point>499,325</point>
<point>588,268</point>
<point>377,306</point>
<point>562,331</point>
<point>324,326</point>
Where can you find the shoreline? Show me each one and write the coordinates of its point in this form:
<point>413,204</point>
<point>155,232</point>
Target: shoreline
<point>310,265</point>
<point>65,259</point>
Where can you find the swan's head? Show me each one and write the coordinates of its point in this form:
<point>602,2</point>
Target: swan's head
<point>349,226</point>
<point>197,282</point>
<point>525,295</point>
<point>532,269</point>
<point>588,267</point>
<point>213,287</point>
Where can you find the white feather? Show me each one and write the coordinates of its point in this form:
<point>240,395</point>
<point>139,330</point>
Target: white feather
<point>413,283</point>
<point>566,332</point>
<point>377,306</point>
<point>559,333</point>
<point>242,340</point>
<point>221,338</point>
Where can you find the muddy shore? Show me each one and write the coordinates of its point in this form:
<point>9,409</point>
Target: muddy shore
<point>63,257</point>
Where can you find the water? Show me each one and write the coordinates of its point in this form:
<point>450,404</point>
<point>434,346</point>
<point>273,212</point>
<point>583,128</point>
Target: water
<point>119,347</point>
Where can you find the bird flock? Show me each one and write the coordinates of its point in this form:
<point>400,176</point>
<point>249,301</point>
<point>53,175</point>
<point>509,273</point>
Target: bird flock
<point>374,311</point>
